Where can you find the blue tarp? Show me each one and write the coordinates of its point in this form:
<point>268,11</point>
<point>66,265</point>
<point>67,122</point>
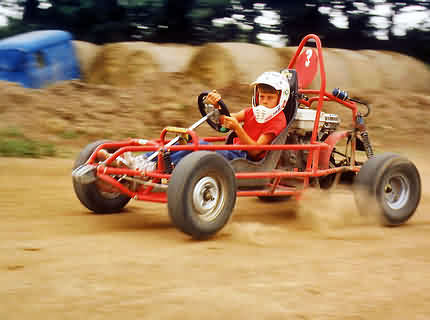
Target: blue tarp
<point>38,58</point>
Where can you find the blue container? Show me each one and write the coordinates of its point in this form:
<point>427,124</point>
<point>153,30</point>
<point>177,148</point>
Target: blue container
<point>36,59</point>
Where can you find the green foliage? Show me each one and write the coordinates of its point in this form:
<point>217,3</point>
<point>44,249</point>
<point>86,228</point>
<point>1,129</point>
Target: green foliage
<point>69,134</point>
<point>13,143</point>
<point>68,10</point>
<point>12,132</point>
<point>140,3</point>
<point>212,3</point>
<point>203,13</point>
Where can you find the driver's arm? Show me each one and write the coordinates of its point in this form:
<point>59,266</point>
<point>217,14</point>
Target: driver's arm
<point>240,116</point>
<point>233,123</point>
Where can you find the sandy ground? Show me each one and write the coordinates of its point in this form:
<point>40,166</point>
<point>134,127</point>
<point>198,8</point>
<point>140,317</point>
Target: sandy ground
<point>318,261</point>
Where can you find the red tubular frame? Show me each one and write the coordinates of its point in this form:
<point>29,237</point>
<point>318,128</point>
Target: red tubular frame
<point>315,148</point>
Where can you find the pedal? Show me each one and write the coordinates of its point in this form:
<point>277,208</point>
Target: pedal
<point>84,174</point>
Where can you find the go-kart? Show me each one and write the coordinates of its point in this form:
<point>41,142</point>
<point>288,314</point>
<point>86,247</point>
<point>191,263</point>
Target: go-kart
<point>201,190</point>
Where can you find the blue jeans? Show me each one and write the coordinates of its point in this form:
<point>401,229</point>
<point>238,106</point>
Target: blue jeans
<point>176,156</point>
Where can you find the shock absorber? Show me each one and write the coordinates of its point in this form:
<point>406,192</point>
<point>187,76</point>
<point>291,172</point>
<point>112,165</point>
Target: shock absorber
<point>168,166</point>
<point>359,121</point>
<point>367,145</point>
<point>364,135</point>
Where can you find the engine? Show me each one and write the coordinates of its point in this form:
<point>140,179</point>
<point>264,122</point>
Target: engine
<point>300,133</point>
<point>305,118</point>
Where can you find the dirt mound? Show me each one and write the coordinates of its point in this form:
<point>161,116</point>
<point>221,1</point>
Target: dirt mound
<point>400,72</point>
<point>125,64</point>
<point>169,57</point>
<point>75,113</point>
<point>118,64</point>
<point>86,53</point>
<point>371,69</point>
<point>222,64</point>
<point>336,74</point>
<point>213,66</point>
<point>363,71</point>
<point>286,54</point>
<point>71,110</point>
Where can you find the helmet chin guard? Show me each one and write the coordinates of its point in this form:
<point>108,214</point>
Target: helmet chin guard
<point>280,83</point>
<point>263,114</point>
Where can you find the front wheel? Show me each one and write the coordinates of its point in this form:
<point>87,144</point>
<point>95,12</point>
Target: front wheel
<point>92,194</point>
<point>201,194</point>
<point>389,185</point>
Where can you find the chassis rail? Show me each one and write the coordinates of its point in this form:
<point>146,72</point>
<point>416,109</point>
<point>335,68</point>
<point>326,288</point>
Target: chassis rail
<point>153,184</point>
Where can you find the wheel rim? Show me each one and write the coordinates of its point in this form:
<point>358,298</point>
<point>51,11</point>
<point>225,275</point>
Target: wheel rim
<point>208,198</point>
<point>397,191</point>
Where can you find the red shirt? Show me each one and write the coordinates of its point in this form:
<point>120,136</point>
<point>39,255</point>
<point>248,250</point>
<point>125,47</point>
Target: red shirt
<point>255,129</point>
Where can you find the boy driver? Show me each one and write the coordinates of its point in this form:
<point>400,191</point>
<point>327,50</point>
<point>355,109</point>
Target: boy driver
<point>261,123</point>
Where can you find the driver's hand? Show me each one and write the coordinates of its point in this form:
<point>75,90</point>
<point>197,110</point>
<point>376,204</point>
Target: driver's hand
<point>230,122</point>
<point>213,97</point>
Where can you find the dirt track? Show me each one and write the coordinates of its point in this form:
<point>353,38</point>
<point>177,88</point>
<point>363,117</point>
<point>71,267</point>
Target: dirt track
<point>58,261</point>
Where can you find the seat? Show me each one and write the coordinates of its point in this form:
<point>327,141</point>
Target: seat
<point>271,159</point>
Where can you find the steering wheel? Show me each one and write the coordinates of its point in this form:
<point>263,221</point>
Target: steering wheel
<point>214,119</point>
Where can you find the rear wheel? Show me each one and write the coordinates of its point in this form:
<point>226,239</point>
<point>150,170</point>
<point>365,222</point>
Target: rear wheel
<point>92,194</point>
<point>389,185</point>
<point>201,194</point>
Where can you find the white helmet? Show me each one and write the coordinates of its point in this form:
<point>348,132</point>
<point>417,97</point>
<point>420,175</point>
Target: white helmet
<point>280,83</point>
